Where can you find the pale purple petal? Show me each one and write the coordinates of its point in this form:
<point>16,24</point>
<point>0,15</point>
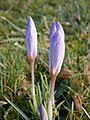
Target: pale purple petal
<point>52,30</point>
<point>59,27</point>
<point>43,113</point>
<point>57,50</point>
<point>31,39</point>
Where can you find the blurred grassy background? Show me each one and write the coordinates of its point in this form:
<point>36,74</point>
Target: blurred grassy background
<point>74,16</point>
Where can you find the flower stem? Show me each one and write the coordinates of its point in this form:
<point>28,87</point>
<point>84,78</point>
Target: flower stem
<point>51,101</point>
<point>53,79</point>
<point>49,110</point>
<point>33,88</point>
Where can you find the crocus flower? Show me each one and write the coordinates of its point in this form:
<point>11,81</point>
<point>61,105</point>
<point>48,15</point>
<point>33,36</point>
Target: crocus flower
<point>57,48</point>
<point>31,39</point>
<point>56,56</point>
<point>43,113</point>
<point>31,44</point>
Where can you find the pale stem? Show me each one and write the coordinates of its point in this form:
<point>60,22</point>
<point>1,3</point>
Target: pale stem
<point>51,102</point>
<point>33,88</point>
<point>49,110</point>
<point>52,85</point>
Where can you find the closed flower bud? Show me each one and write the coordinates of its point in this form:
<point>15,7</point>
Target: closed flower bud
<point>31,45</point>
<point>57,48</point>
<point>31,39</point>
<point>43,113</point>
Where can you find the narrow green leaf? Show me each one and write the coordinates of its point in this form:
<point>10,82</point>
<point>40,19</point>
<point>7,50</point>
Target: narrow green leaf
<point>12,24</point>
<point>2,86</point>
<point>86,112</point>
<point>31,106</point>
<point>40,96</point>
<point>71,115</point>
<point>59,105</point>
<point>17,109</point>
<point>46,82</point>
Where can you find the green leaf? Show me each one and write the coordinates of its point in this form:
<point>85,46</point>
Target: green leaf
<point>71,115</point>
<point>40,96</point>
<point>2,86</point>
<point>12,24</point>
<point>59,105</point>
<point>31,106</point>
<point>17,109</point>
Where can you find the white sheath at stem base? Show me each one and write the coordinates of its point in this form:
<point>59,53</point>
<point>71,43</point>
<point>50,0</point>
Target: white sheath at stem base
<point>33,88</point>
<point>50,110</point>
<point>51,101</point>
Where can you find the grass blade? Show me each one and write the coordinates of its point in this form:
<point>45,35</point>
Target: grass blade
<point>31,106</point>
<point>86,112</point>
<point>2,86</point>
<point>59,105</point>
<point>40,96</point>
<point>12,24</point>
<point>71,115</point>
<point>17,109</point>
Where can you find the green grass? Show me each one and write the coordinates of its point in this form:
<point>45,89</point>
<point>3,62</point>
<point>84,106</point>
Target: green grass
<point>74,15</point>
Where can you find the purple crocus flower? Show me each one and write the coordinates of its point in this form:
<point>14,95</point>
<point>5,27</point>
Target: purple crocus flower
<point>31,39</point>
<point>56,56</point>
<point>31,45</point>
<point>57,48</point>
<point>43,113</point>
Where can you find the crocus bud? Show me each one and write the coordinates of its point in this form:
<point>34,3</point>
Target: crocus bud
<point>43,113</point>
<point>31,39</point>
<point>57,48</point>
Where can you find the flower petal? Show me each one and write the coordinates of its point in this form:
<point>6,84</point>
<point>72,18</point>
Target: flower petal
<point>57,50</point>
<point>31,39</point>
<point>59,27</point>
<point>52,30</point>
<point>43,113</point>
